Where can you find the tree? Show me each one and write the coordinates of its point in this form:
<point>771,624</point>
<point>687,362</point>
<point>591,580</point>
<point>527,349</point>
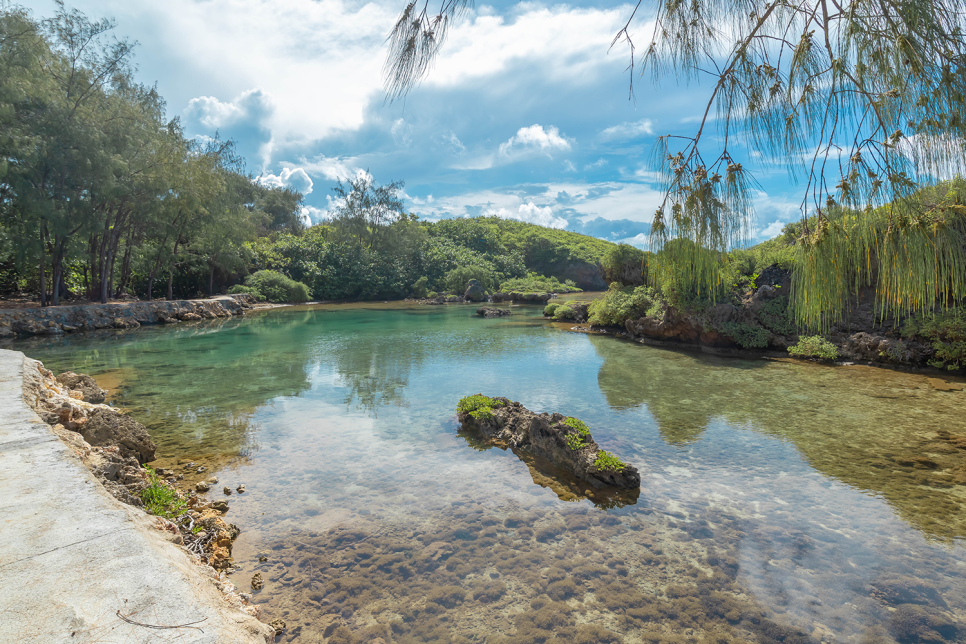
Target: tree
<point>365,209</point>
<point>863,99</point>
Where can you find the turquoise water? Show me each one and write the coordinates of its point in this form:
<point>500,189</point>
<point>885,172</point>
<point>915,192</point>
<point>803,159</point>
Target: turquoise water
<point>780,501</point>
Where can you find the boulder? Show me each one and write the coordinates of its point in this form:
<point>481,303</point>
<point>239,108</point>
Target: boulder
<point>474,292</point>
<point>106,427</point>
<point>83,383</point>
<point>492,312</point>
<point>532,298</point>
<point>549,437</point>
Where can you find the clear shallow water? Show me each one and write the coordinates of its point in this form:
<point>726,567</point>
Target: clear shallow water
<point>780,501</point>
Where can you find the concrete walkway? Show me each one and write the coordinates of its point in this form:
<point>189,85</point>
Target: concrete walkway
<point>71,556</point>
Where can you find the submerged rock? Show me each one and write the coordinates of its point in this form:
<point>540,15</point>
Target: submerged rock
<point>562,440</point>
<point>492,312</point>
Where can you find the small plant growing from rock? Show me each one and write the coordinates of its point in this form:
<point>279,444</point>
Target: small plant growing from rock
<point>161,500</point>
<point>478,406</point>
<point>607,461</point>
<point>814,346</point>
<point>576,440</point>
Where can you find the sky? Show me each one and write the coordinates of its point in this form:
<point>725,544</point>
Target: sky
<point>524,115</point>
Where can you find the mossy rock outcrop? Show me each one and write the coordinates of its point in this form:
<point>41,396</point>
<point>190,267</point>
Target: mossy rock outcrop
<point>564,441</point>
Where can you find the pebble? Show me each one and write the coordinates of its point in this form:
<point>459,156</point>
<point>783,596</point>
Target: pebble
<point>257,582</point>
<point>227,491</point>
<point>240,489</point>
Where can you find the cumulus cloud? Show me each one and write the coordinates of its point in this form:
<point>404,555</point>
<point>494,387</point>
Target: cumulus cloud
<point>251,106</point>
<point>295,178</point>
<point>334,168</point>
<point>535,138</point>
<point>628,130</point>
<point>771,230</point>
<point>312,215</point>
<point>531,214</point>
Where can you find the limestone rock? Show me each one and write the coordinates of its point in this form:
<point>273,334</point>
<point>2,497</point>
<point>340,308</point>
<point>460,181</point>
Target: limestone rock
<point>548,437</point>
<point>474,292</point>
<point>492,312</point>
<point>106,427</point>
<point>84,384</point>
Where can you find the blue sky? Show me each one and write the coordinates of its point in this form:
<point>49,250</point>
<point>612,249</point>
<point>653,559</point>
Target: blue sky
<point>525,114</point>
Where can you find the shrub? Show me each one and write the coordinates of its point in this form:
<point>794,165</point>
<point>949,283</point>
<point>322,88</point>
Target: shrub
<point>606,461</point>
<point>564,312</point>
<point>625,264</point>
<point>746,335</point>
<point>618,305</point>
<point>276,287</point>
<point>241,288</point>
<point>549,309</point>
<point>946,332</point>
<point>478,406</point>
<point>419,287</point>
<point>534,283</point>
<point>578,425</point>
<point>814,346</point>
<point>775,316</point>
<point>455,281</point>
<point>161,500</point>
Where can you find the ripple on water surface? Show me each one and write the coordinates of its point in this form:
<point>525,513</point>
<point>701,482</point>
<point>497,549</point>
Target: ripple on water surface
<point>781,502</point>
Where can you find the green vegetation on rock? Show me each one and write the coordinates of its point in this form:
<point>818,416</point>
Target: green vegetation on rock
<point>746,335</point>
<point>534,283</point>
<point>478,406</point>
<point>945,332</point>
<point>272,286</point>
<point>620,304</point>
<point>814,346</point>
<point>160,499</point>
<point>608,462</point>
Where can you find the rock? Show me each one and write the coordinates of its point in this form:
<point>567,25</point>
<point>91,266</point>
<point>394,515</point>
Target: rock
<point>257,582</point>
<point>492,312</point>
<point>190,317</point>
<point>106,427</point>
<point>548,437</point>
<point>202,486</point>
<point>531,298</point>
<point>263,558</point>
<point>220,506</point>
<point>474,292</point>
<point>774,276</point>
<point>125,323</point>
<point>227,491</point>
<point>240,489</point>
<point>83,383</point>
<point>278,625</point>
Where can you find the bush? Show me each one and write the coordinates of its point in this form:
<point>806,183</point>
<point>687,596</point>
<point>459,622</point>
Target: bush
<point>625,264</point>
<point>160,499</point>
<point>746,335</point>
<point>564,312</point>
<point>455,281</point>
<point>419,288</point>
<point>275,287</point>
<point>618,305</point>
<point>814,346</point>
<point>608,462</point>
<point>946,332</point>
<point>534,283</point>
<point>549,309</point>
<point>241,288</point>
<point>776,316</point>
<point>478,406</point>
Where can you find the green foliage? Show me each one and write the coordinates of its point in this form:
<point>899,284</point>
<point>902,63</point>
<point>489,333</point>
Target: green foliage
<point>534,283</point>
<point>575,441</point>
<point>564,312</point>
<point>457,279</point>
<point>746,335</point>
<point>549,309</point>
<point>618,305</point>
<point>946,333</point>
<point>578,425</point>
<point>419,287</point>
<point>276,287</point>
<point>776,316</point>
<point>478,406</point>
<point>250,290</point>
<point>160,499</point>
<point>814,346</point>
<point>607,462</point>
<point>690,276</point>
<point>625,264</point>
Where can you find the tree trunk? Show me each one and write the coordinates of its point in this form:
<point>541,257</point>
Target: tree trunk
<point>211,282</point>
<point>170,279</point>
<point>43,268</point>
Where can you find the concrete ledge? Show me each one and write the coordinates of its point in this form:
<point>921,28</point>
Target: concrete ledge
<point>72,556</point>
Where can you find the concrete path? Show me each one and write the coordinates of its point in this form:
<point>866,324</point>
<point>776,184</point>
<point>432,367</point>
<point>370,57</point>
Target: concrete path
<point>71,556</point>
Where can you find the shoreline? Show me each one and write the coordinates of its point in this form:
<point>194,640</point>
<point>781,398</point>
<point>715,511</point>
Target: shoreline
<point>112,572</point>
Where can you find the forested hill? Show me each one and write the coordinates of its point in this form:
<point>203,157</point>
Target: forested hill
<point>410,257</point>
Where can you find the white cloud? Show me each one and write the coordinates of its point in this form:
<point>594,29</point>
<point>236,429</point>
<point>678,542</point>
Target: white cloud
<point>402,132</point>
<point>295,178</point>
<point>535,138</point>
<point>454,141</point>
<point>569,166</point>
<point>599,163</point>
<point>772,230</point>
<point>628,130</point>
<point>640,240</point>
<point>531,214</point>
<point>334,168</point>
<point>312,215</point>
<point>254,106</point>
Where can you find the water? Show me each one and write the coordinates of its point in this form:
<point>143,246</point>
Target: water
<point>780,501</point>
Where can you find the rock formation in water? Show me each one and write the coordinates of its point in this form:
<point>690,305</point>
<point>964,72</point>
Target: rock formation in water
<point>474,292</point>
<point>562,440</point>
<point>492,312</point>
<point>533,298</point>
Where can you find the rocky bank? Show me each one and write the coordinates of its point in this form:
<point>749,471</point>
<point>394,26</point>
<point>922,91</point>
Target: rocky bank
<point>115,448</point>
<point>56,320</point>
